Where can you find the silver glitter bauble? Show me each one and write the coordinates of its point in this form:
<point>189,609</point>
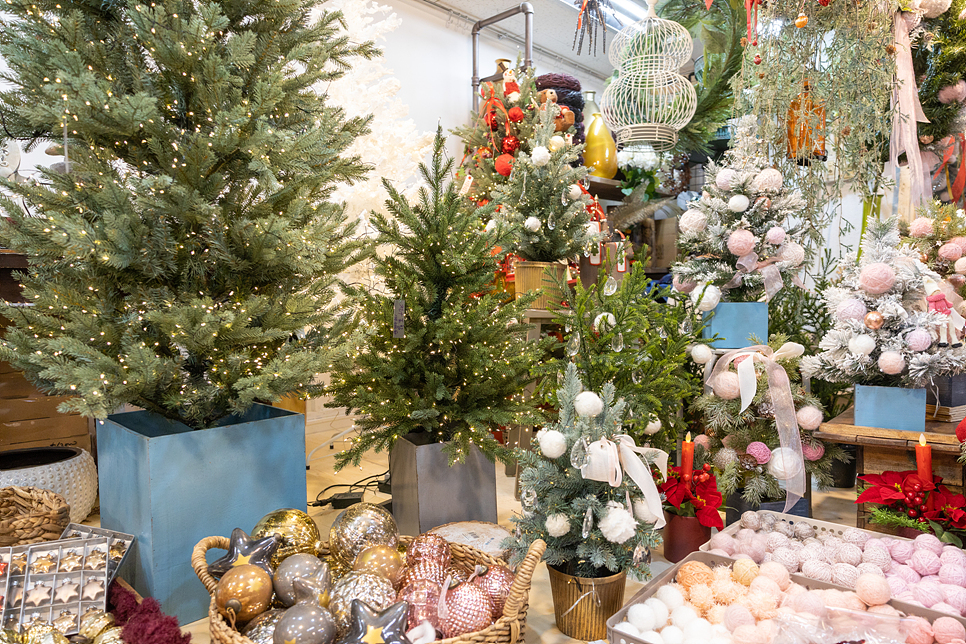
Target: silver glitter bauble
<point>360,527</point>
<point>372,589</point>
<point>261,630</point>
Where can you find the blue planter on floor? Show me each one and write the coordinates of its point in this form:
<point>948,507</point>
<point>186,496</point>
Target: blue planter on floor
<point>890,408</point>
<point>171,486</point>
<point>736,323</point>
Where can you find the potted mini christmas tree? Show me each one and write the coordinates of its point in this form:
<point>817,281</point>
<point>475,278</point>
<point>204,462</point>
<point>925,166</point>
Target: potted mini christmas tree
<point>742,241</point>
<point>445,362</point>
<point>595,531</point>
<point>891,324</point>
<point>185,263</point>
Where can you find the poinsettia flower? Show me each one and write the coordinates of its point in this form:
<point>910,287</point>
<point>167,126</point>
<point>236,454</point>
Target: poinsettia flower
<point>947,508</point>
<point>890,487</point>
<point>704,497</point>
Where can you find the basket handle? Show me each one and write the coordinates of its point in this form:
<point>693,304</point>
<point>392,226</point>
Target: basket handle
<point>520,588</point>
<point>199,563</point>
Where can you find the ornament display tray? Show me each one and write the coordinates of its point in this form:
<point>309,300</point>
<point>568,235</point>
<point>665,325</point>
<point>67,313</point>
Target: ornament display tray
<point>890,408</point>
<point>119,544</point>
<point>616,637</point>
<point>737,324</point>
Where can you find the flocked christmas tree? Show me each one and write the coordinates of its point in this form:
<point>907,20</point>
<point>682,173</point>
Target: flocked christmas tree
<point>589,529</point>
<point>889,320</point>
<point>939,234</point>
<point>444,357</point>
<point>745,444</point>
<point>741,240</point>
<point>542,202</point>
<point>186,261</point>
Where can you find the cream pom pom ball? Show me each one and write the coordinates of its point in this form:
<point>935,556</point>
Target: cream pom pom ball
<point>552,443</point>
<point>738,203</point>
<point>725,385</point>
<point>891,362</point>
<point>574,192</point>
<point>809,417</point>
<point>768,180</point>
<point>877,278</point>
<point>950,251</point>
<point>741,242</point>
<point>960,265</point>
<point>642,617</point>
<point>557,525</point>
<point>540,156</point>
<point>862,344</point>
<point>775,235</point>
<point>851,309</point>
<point>618,525</point>
<point>557,142</point>
<point>587,404</point>
<point>872,589</point>
<point>784,463</point>
<point>532,224</point>
<point>725,179</point>
<point>792,253</point>
<point>701,353</point>
<point>709,297</point>
<point>693,221</point>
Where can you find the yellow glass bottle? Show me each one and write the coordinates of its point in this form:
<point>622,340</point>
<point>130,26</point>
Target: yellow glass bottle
<point>600,153</point>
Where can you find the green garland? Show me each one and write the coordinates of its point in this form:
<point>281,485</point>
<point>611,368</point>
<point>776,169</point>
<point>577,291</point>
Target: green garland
<point>939,59</point>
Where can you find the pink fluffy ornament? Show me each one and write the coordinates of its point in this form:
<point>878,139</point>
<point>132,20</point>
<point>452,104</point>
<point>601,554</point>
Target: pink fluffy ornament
<point>726,385</point>
<point>955,93</point>
<point>809,417</point>
<point>950,251</point>
<point>929,542</point>
<point>809,602</point>
<point>682,286</point>
<point>921,227</point>
<point>768,180</point>
<point>954,575</point>
<point>844,574</point>
<point>762,605</point>
<point>952,555</point>
<point>792,253</point>
<point>692,221</point>
<point>891,362</point>
<point>947,629</point>
<point>918,630</point>
<point>762,584</point>
<point>851,309</point>
<point>723,541</point>
<point>877,278</point>
<point>703,440</point>
<point>928,593</point>
<point>925,562</point>
<point>872,589</point>
<point>737,615</point>
<point>775,236</point>
<point>959,241</point>
<point>760,451</point>
<point>905,572</point>
<point>749,634</point>
<point>813,451</point>
<point>943,607</point>
<point>741,242</point>
<point>725,179</point>
<point>777,573</point>
<point>919,339</point>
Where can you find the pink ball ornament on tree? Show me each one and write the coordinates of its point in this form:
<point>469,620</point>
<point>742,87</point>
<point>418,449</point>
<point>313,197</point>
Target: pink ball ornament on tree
<point>959,241</point>
<point>813,451</point>
<point>921,227</point>
<point>741,242</point>
<point>877,278</point>
<point>760,451</point>
<point>726,385</point>
<point>950,251</point>
<point>919,339</point>
<point>891,363</point>
<point>775,236</point>
<point>809,417</point>
<point>792,253</point>
<point>851,309</point>
<point>682,286</point>
<point>725,179</point>
<point>768,180</point>
<point>693,221</point>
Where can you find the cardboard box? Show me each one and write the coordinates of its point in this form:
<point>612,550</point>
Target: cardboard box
<point>83,441</point>
<point>14,385</point>
<point>665,249</point>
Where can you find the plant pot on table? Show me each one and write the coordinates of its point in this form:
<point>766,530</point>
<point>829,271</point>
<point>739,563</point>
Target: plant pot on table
<point>582,605</point>
<point>682,536</point>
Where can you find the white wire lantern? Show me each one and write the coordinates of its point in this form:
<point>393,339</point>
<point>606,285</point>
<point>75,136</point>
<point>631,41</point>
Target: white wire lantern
<point>649,101</point>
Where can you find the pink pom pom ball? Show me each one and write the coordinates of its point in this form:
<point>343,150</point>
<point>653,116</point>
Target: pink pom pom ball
<point>918,630</point>
<point>723,541</point>
<point>952,556</point>
<point>919,339</point>
<point>703,441</point>
<point>760,451</point>
<point>891,362</point>
<point>809,417</point>
<point>851,309</point>
<point>813,451</point>
<point>902,551</point>
<point>748,634</point>
<point>896,584</point>
<point>775,236</point>
<point>876,542</point>
<point>960,265</point>
<point>682,286</point>
<point>872,589</point>
<point>745,533</point>
<point>725,179</point>
<point>765,585</point>
<point>877,278</point>
<point>959,241</point>
<point>929,542</point>
<point>756,548</point>
<point>741,242</point>
<point>808,602</point>
<point>943,607</point>
<point>925,562</point>
<point>950,252</point>
<point>954,93</point>
<point>817,570</point>
<point>947,629</point>
<point>928,593</point>
<point>737,615</point>
<point>954,575</point>
<point>905,572</point>
<point>726,385</point>
<point>921,227</point>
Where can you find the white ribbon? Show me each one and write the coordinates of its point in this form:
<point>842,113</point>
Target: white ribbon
<point>904,131</point>
<point>623,456</point>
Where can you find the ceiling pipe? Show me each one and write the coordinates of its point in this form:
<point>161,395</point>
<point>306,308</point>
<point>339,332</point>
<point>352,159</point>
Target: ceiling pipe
<point>527,10</point>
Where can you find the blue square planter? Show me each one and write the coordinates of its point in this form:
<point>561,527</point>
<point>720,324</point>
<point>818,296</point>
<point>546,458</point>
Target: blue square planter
<point>170,486</point>
<point>890,408</point>
<point>736,323</point>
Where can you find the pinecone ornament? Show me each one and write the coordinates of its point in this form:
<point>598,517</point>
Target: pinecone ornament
<point>429,546</point>
<point>465,608</point>
<point>495,582</point>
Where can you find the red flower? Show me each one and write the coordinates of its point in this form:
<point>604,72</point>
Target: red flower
<point>702,497</point>
<point>891,487</point>
<point>947,508</point>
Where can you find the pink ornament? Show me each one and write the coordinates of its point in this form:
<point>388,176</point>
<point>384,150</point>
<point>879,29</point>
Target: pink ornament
<point>726,385</point>
<point>950,252</point>
<point>809,417</point>
<point>955,597</point>
<point>809,602</point>
<point>877,278</point>
<point>466,608</point>
<point>928,593</point>
<point>495,581</point>
<point>775,236</point>
<point>768,180</point>
<point>943,607</point>
<point>872,589</point>
<point>955,93</point>
<point>765,585</point>
<point>905,572</point>
<point>682,287</point>
<point>423,598</point>
<point>725,179</point>
<point>760,451</point>
<point>921,227</point>
<point>813,451</point>
<point>953,556</point>
<point>960,266</point>
<point>897,584</point>
<point>954,575</point>
<point>925,562</point>
<point>959,241</point>
<point>891,362</point>
<point>851,309</point>
<point>741,242</point>
<point>723,541</point>
<point>703,441</point>
<point>777,573</point>
<point>929,542</point>
<point>737,615</point>
<point>919,339</point>
<point>918,630</point>
<point>947,629</point>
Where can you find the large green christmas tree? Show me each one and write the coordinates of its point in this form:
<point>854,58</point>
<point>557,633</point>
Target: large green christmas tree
<point>445,357</point>
<point>186,261</point>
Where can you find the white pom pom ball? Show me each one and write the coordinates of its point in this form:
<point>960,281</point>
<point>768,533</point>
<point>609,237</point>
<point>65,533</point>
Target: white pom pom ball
<point>741,242</point>
<point>552,443</point>
<point>532,224</point>
<point>768,180</point>
<point>738,203</point>
<point>557,525</point>
<point>672,635</point>
<point>891,362</point>
<point>701,354</point>
<point>692,221</point>
<point>809,417</point>
<point>660,610</point>
<point>792,253</point>
<point>618,525</point>
<point>919,339</point>
<point>725,385</point>
<point>490,226</point>
<point>784,463</point>
<point>628,629</point>
<point>574,192</point>
<point>587,404</point>
<point>960,265</point>
<point>851,309</point>
<point>643,513</point>
<point>540,156</point>
<point>557,142</point>
<point>642,617</point>
<point>775,235</point>
<point>725,179</point>
<point>862,344</point>
<point>709,296</point>
<point>652,637</point>
<point>604,321</point>
<point>877,278</point>
<point>670,596</point>
<point>683,615</point>
<point>652,427</point>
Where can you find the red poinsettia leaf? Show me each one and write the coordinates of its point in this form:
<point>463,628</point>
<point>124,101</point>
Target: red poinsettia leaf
<point>913,479</point>
<point>872,495</point>
<point>709,517</point>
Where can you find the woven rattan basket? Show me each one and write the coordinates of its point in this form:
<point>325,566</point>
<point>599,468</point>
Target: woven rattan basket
<point>31,515</point>
<point>509,629</point>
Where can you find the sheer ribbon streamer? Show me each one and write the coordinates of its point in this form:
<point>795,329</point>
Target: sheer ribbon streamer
<point>624,456</point>
<point>904,135</point>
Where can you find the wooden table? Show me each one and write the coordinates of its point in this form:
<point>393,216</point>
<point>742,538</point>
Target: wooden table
<point>881,450</point>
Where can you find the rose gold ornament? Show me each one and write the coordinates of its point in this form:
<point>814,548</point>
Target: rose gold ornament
<point>458,574</point>
<point>874,320</point>
<point>496,582</point>
<point>428,546</point>
<point>427,569</point>
<point>423,598</point>
<point>464,608</point>
<point>956,280</point>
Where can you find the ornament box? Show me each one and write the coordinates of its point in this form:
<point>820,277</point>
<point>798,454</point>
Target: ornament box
<point>737,324</point>
<point>890,407</point>
<point>949,391</point>
<point>735,505</point>
<point>427,492</point>
<point>170,486</point>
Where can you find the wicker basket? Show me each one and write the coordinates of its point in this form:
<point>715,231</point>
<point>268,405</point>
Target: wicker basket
<point>31,515</point>
<point>509,629</point>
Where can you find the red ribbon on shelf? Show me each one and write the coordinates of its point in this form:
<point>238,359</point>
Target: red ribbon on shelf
<point>495,104</point>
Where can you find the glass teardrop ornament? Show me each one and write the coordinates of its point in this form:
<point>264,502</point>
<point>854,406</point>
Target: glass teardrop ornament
<point>573,345</point>
<point>617,344</point>
<point>641,554</point>
<point>661,332</point>
<point>551,222</point>
<point>610,286</point>
<point>528,497</point>
<point>636,377</point>
<point>687,327</point>
<point>579,454</point>
<point>588,523</point>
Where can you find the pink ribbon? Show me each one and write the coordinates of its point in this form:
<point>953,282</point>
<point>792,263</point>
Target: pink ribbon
<point>904,135</point>
<point>780,391</point>
<point>771,276</point>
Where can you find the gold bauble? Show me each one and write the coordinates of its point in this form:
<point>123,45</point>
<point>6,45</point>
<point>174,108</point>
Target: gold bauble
<point>243,592</point>
<point>359,527</point>
<point>110,636</point>
<point>36,630</point>
<point>600,151</point>
<point>297,529</point>
<point>874,320</point>
<point>10,636</point>
<point>94,623</point>
<point>384,561</point>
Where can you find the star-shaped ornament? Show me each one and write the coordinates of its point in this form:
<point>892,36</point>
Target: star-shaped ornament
<point>43,564</point>
<point>70,562</point>
<point>67,592</point>
<point>38,595</point>
<point>369,626</point>
<point>92,590</point>
<point>313,590</point>
<point>66,623</point>
<point>18,564</point>
<point>96,560</point>
<point>117,551</point>
<point>242,549</point>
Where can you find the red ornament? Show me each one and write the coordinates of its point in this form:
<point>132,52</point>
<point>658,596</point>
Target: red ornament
<point>754,43</point>
<point>496,582</point>
<point>423,598</point>
<point>961,431</point>
<point>515,114</point>
<point>758,59</point>
<point>465,609</point>
<point>510,144</point>
<point>504,164</point>
<point>490,119</point>
<point>825,3</point>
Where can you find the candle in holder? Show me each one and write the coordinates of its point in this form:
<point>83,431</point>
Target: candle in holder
<point>924,466</point>
<point>687,458</point>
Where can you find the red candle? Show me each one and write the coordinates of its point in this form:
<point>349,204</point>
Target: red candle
<point>924,459</point>
<point>687,458</point>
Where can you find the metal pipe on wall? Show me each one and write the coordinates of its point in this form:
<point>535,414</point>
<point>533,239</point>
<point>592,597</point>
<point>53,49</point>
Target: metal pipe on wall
<point>527,10</point>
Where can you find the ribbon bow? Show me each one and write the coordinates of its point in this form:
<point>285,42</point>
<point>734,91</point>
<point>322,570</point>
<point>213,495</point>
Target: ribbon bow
<point>904,134</point>
<point>781,397</point>
<point>771,276</point>
<point>623,456</point>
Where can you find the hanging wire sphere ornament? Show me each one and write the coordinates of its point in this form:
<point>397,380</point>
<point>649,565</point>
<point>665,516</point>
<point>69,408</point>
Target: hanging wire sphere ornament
<point>649,102</point>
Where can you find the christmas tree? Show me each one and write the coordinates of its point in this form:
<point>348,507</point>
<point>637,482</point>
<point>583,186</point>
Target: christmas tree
<point>443,356</point>
<point>887,316</point>
<point>939,234</point>
<point>185,262</point>
<point>542,202</point>
<point>745,444</point>
<point>587,526</point>
<point>742,240</point>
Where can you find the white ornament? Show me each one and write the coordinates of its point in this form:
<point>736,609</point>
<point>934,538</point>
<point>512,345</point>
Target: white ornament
<point>604,321</point>
<point>862,344</point>
<point>643,513</point>
<point>960,265</point>
<point>725,179</point>
<point>9,158</point>
<point>552,443</point>
<point>557,525</point>
<point>793,253</point>
<point>652,427</point>
<point>692,221</point>
<point>768,180</point>
<point>738,203</point>
<point>588,404</point>
<point>532,224</point>
<point>557,142</point>
<point>709,296</point>
<point>574,192</point>
<point>784,463</point>
<point>701,353</point>
<point>618,525</point>
<point>490,226</point>
<point>540,156</point>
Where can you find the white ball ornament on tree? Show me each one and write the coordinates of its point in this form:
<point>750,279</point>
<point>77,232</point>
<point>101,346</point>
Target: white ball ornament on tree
<point>604,322</point>
<point>618,525</point>
<point>532,224</point>
<point>960,265</point>
<point>726,386</point>
<point>709,297</point>
<point>557,525</point>
<point>701,354</point>
<point>862,344</point>
<point>877,278</point>
<point>692,221</point>
<point>738,203</point>
<point>775,236</point>
<point>809,417</point>
<point>652,427</point>
<point>891,363</point>
<point>934,8</point>
<point>725,179</point>
<point>851,309</point>
<point>792,253</point>
<point>552,443</point>
<point>490,226</point>
<point>588,404</point>
<point>557,142</point>
<point>768,180</point>
<point>643,513</point>
<point>741,242</point>
<point>574,192</point>
<point>919,339</point>
<point>540,156</point>
<point>784,463</point>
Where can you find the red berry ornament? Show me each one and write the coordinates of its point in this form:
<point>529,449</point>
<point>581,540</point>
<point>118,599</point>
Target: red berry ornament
<point>510,144</point>
<point>912,513</point>
<point>504,164</point>
<point>825,3</point>
<point>758,59</point>
<point>515,114</point>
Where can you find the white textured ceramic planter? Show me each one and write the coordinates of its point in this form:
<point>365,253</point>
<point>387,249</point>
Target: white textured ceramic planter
<point>68,471</point>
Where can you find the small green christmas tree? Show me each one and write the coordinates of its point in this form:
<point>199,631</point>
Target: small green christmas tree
<point>542,203</point>
<point>585,523</point>
<point>444,357</point>
<point>186,261</point>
